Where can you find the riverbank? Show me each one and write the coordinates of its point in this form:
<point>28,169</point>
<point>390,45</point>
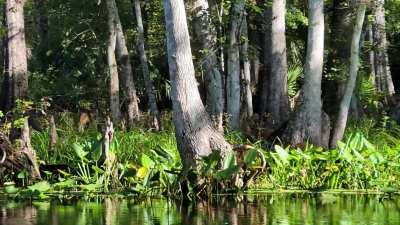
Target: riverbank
<point>148,163</point>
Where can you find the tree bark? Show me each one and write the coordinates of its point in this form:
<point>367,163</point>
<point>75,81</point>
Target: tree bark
<point>244,53</point>
<point>194,132</point>
<point>278,100</point>
<point>265,80</point>
<point>112,63</point>
<point>382,67</point>
<point>205,33</point>
<point>351,83</point>
<point>371,54</point>
<point>110,161</point>
<point>233,71</point>
<point>123,59</point>
<point>306,124</point>
<point>151,95</point>
<point>18,73</point>
<point>52,134</point>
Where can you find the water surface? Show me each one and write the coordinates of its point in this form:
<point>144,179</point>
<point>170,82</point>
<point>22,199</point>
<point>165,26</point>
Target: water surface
<point>343,209</point>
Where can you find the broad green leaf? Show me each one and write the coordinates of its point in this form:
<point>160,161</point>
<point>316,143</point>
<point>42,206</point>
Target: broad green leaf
<point>250,156</point>
<point>282,154</point>
<point>11,189</point>
<point>41,186</point>
<point>97,169</point>
<point>96,150</point>
<point>162,153</point>
<point>230,160</point>
<point>22,175</point>
<point>226,173</point>
<point>114,146</point>
<point>79,151</point>
<point>146,161</point>
<point>68,183</point>
<point>142,172</point>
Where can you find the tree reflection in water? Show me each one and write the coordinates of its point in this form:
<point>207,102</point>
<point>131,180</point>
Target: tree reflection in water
<point>231,210</point>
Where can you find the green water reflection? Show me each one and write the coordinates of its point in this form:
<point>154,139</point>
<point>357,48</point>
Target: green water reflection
<point>248,210</point>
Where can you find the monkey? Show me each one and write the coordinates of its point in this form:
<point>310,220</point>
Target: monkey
<point>85,118</point>
<point>245,174</point>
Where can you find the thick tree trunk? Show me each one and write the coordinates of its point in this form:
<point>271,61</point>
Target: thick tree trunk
<point>265,80</point>
<point>123,58</point>
<point>17,57</point>
<point>195,134</point>
<point>244,53</point>
<point>18,73</point>
<point>205,33</point>
<point>112,63</point>
<point>382,67</point>
<point>151,95</point>
<point>306,124</point>
<point>278,100</point>
<point>351,83</point>
<point>256,37</point>
<point>233,71</point>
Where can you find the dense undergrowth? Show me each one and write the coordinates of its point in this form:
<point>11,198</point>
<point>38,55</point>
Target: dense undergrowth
<point>149,163</point>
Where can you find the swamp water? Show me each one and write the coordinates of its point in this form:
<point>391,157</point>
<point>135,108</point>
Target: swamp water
<point>340,209</point>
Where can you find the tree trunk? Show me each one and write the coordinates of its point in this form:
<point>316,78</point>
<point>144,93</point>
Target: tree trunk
<point>112,63</point>
<point>306,124</point>
<point>206,35</point>
<point>42,27</point>
<point>125,63</point>
<point>6,86</point>
<point>52,134</point>
<point>194,132</point>
<point>244,53</point>
<point>18,73</point>
<point>351,83</point>
<point>265,80</point>
<point>278,100</point>
<point>382,67</point>
<point>233,71</point>
<point>151,95</point>
<point>110,161</point>
<point>337,62</point>
<point>371,54</point>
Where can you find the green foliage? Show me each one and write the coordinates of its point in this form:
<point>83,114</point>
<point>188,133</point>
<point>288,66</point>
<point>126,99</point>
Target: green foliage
<point>362,161</point>
<point>294,73</point>
<point>295,17</point>
<point>148,163</point>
